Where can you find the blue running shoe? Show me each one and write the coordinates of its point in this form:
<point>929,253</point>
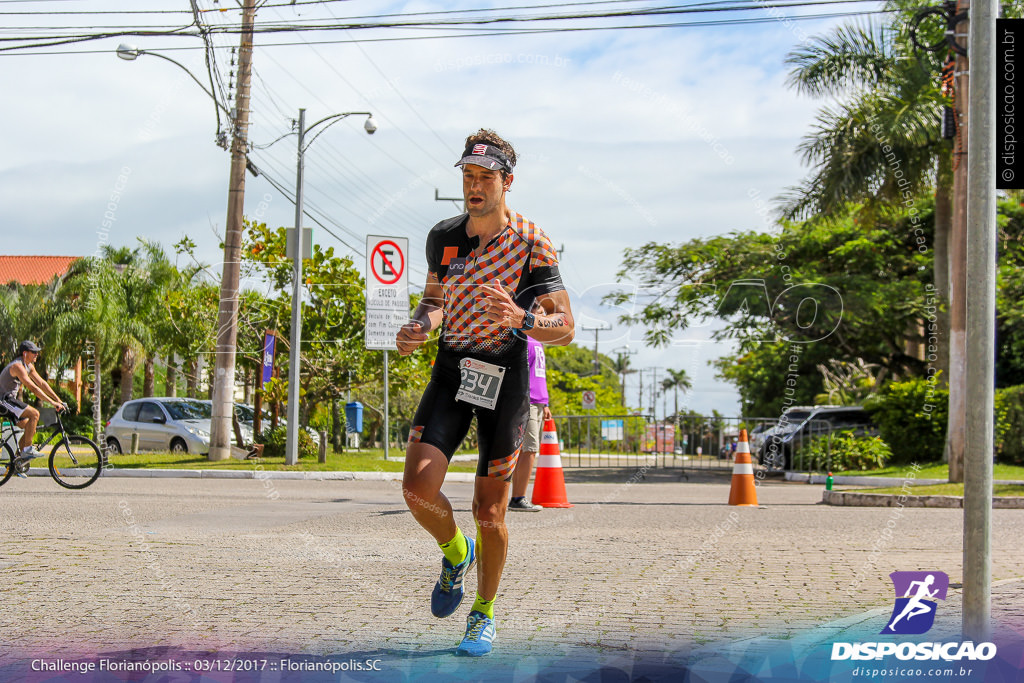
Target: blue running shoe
<point>448,591</point>
<point>479,635</point>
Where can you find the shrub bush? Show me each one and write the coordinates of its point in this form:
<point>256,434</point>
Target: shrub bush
<point>1010,425</point>
<point>848,452</point>
<point>911,417</point>
<point>273,441</point>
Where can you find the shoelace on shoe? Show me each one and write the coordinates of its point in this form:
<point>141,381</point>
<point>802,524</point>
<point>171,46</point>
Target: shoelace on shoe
<point>474,631</point>
<point>447,578</point>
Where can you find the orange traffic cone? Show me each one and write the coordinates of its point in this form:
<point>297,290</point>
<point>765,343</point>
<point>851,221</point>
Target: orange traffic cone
<point>549,482</point>
<point>743,491</point>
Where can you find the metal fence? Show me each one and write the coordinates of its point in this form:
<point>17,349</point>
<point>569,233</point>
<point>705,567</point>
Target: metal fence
<point>686,443</point>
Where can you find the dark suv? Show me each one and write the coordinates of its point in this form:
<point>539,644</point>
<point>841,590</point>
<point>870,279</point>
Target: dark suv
<point>799,424</point>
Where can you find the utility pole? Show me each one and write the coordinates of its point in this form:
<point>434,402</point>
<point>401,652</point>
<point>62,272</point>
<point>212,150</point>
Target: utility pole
<point>291,446</point>
<point>596,330</point>
<point>227,316</point>
<point>654,390</point>
<point>981,316</point>
<point>957,421</point>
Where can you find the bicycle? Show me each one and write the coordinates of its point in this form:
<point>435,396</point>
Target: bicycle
<point>75,461</point>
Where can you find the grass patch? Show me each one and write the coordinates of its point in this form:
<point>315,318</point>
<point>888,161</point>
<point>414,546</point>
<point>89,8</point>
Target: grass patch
<point>933,470</point>
<point>371,460</point>
<point>945,490</point>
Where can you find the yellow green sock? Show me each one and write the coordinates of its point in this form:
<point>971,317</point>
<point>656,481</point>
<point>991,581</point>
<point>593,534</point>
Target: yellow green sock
<point>485,606</point>
<point>456,549</point>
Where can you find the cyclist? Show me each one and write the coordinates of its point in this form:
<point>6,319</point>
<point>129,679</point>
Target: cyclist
<point>486,267</point>
<point>18,373</point>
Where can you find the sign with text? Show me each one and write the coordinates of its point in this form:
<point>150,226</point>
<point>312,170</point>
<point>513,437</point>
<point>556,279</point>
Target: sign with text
<point>613,430</point>
<point>1009,133</point>
<point>387,290</point>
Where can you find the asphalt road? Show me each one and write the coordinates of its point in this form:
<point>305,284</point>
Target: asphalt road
<point>638,568</point>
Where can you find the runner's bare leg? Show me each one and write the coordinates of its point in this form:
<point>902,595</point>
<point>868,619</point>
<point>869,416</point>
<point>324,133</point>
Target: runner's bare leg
<point>425,467</point>
<point>490,497</point>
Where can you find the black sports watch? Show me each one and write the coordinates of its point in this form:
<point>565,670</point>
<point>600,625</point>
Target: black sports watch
<point>529,320</point>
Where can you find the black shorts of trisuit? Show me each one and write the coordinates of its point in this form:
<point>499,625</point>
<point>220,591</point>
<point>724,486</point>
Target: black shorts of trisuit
<point>443,422</point>
<point>11,407</point>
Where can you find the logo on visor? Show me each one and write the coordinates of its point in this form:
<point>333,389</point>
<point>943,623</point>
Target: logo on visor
<point>480,149</point>
<point>914,611</point>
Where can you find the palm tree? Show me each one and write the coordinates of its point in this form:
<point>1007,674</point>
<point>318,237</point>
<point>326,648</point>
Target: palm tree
<point>621,365</point>
<point>138,298</point>
<point>880,141</point>
<point>882,138</point>
<point>92,320</point>
<point>676,380</point>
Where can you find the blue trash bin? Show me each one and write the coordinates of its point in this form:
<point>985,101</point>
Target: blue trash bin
<point>354,417</point>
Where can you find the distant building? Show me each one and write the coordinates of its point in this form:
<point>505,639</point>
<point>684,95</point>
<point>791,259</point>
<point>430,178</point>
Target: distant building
<point>40,270</point>
<point>34,270</point>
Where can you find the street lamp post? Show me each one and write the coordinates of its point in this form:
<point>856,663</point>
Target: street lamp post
<point>227,315</point>
<point>291,451</point>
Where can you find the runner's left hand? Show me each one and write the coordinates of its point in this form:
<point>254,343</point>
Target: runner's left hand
<point>499,307</point>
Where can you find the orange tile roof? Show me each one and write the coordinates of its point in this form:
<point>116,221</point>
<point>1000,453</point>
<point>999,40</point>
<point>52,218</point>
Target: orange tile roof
<point>33,270</point>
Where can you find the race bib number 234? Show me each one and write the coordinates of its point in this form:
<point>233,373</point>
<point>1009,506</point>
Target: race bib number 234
<point>480,382</point>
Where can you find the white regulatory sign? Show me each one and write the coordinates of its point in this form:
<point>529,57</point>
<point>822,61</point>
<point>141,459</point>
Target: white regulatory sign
<point>387,290</point>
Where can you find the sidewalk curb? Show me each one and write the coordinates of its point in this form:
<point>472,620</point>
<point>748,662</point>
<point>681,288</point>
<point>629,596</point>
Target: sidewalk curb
<point>879,481</point>
<point>852,498</point>
<point>462,477</point>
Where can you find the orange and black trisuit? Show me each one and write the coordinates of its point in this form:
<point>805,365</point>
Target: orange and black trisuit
<point>521,259</point>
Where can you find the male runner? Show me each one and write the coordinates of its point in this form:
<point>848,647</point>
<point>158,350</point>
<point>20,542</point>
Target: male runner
<point>485,269</point>
<point>22,372</point>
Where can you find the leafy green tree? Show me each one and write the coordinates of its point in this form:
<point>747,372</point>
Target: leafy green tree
<point>333,353</point>
<point>91,325</point>
<point>570,373</point>
<point>1010,296</point>
<point>821,290</point>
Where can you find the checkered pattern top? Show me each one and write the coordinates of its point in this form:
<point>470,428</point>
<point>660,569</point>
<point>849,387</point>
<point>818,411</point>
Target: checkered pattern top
<point>520,258</point>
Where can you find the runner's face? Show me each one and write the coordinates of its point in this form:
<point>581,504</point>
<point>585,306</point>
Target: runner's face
<point>482,189</point>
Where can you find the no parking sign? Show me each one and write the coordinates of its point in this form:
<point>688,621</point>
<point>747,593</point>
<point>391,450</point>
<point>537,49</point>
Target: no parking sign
<point>387,290</point>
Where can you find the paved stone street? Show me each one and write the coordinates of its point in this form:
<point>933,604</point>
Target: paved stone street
<point>339,567</point>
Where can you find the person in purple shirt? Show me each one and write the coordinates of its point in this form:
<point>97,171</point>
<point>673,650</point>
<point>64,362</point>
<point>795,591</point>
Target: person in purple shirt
<point>539,412</point>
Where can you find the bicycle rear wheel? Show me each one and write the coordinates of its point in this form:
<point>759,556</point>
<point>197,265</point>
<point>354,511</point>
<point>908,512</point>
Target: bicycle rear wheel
<point>75,462</point>
<point>6,464</point>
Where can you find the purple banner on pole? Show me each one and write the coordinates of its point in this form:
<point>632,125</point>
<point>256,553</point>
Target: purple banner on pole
<point>269,343</point>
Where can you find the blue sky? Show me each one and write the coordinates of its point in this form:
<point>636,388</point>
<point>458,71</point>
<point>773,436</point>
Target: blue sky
<point>624,138</point>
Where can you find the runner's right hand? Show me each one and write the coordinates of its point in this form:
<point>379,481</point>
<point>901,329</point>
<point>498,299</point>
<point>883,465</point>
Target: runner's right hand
<point>410,337</point>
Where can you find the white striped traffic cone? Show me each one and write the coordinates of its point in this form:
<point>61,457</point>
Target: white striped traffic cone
<point>743,491</point>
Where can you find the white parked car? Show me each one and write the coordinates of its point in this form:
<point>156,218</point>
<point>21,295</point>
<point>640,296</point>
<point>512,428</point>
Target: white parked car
<point>178,425</point>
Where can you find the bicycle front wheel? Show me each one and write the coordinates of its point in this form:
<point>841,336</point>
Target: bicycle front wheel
<point>75,462</point>
<point>6,464</point>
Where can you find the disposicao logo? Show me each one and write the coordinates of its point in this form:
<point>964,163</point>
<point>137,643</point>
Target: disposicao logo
<point>914,611</point>
<point>914,614</point>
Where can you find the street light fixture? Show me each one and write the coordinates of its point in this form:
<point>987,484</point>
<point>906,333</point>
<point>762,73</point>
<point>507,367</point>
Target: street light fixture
<point>130,53</point>
<point>291,451</point>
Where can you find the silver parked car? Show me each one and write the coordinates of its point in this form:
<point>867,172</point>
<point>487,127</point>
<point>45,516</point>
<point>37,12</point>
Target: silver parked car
<point>179,425</point>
